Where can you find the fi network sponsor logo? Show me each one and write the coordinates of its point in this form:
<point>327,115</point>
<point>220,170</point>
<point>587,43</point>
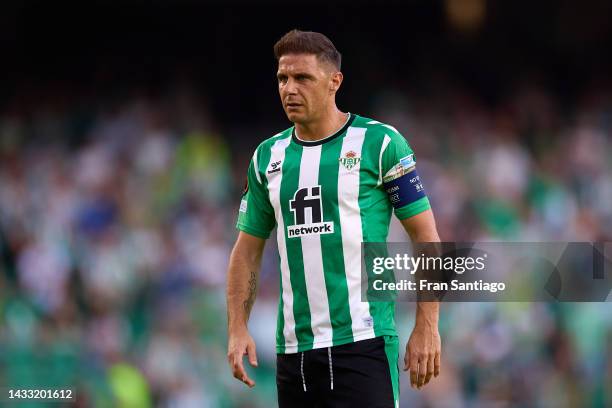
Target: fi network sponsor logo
<point>307,208</point>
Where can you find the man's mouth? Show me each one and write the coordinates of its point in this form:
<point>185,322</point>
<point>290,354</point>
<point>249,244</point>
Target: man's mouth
<point>293,105</point>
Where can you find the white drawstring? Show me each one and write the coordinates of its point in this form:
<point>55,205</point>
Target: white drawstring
<point>302,371</point>
<point>331,370</point>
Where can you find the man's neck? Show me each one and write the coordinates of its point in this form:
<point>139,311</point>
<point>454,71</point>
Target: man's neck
<point>323,128</point>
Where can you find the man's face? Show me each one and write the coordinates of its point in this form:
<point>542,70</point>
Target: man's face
<point>306,86</point>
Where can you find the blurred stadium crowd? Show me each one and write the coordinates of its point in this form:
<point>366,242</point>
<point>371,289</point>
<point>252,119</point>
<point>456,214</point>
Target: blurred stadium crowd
<point>117,220</point>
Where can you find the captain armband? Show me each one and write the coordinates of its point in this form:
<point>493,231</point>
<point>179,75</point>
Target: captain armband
<point>403,184</point>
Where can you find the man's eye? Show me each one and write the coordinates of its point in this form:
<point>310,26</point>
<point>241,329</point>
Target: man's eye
<point>301,77</point>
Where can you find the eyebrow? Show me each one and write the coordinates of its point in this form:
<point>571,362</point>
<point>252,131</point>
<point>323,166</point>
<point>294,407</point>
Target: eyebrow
<point>299,73</point>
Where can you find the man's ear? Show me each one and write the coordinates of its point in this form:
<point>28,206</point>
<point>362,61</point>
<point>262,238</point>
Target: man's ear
<point>336,81</point>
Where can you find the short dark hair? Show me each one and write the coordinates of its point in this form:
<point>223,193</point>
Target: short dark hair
<point>308,42</point>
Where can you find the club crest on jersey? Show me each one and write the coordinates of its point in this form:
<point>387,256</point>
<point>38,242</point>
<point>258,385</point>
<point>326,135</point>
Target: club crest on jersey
<point>350,160</point>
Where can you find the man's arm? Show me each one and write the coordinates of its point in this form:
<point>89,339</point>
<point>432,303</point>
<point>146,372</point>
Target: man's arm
<point>242,279</point>
<point>424,347</point>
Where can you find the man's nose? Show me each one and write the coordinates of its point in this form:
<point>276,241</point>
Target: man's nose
<point>291,87</point>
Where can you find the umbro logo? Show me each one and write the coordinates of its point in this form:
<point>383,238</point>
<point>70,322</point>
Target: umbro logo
<point>274,167</point>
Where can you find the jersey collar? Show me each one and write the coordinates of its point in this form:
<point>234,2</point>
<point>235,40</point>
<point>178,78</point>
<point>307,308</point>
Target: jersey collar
<point>343,129</point>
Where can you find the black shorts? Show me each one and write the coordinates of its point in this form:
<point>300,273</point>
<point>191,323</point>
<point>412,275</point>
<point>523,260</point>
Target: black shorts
<point>359,374</point>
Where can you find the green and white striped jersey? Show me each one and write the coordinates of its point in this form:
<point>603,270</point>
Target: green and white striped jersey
<point>326,197</point>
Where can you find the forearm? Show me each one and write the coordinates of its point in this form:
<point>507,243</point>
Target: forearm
<point>423,233</point>
<point>427,314</point>
<point>242,280</point>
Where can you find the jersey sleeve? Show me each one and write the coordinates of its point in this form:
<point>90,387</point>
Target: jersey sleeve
<point>400,178</point>
<point>256,215</point>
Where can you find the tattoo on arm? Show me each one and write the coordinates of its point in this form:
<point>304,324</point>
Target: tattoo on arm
<point>248,304</point>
